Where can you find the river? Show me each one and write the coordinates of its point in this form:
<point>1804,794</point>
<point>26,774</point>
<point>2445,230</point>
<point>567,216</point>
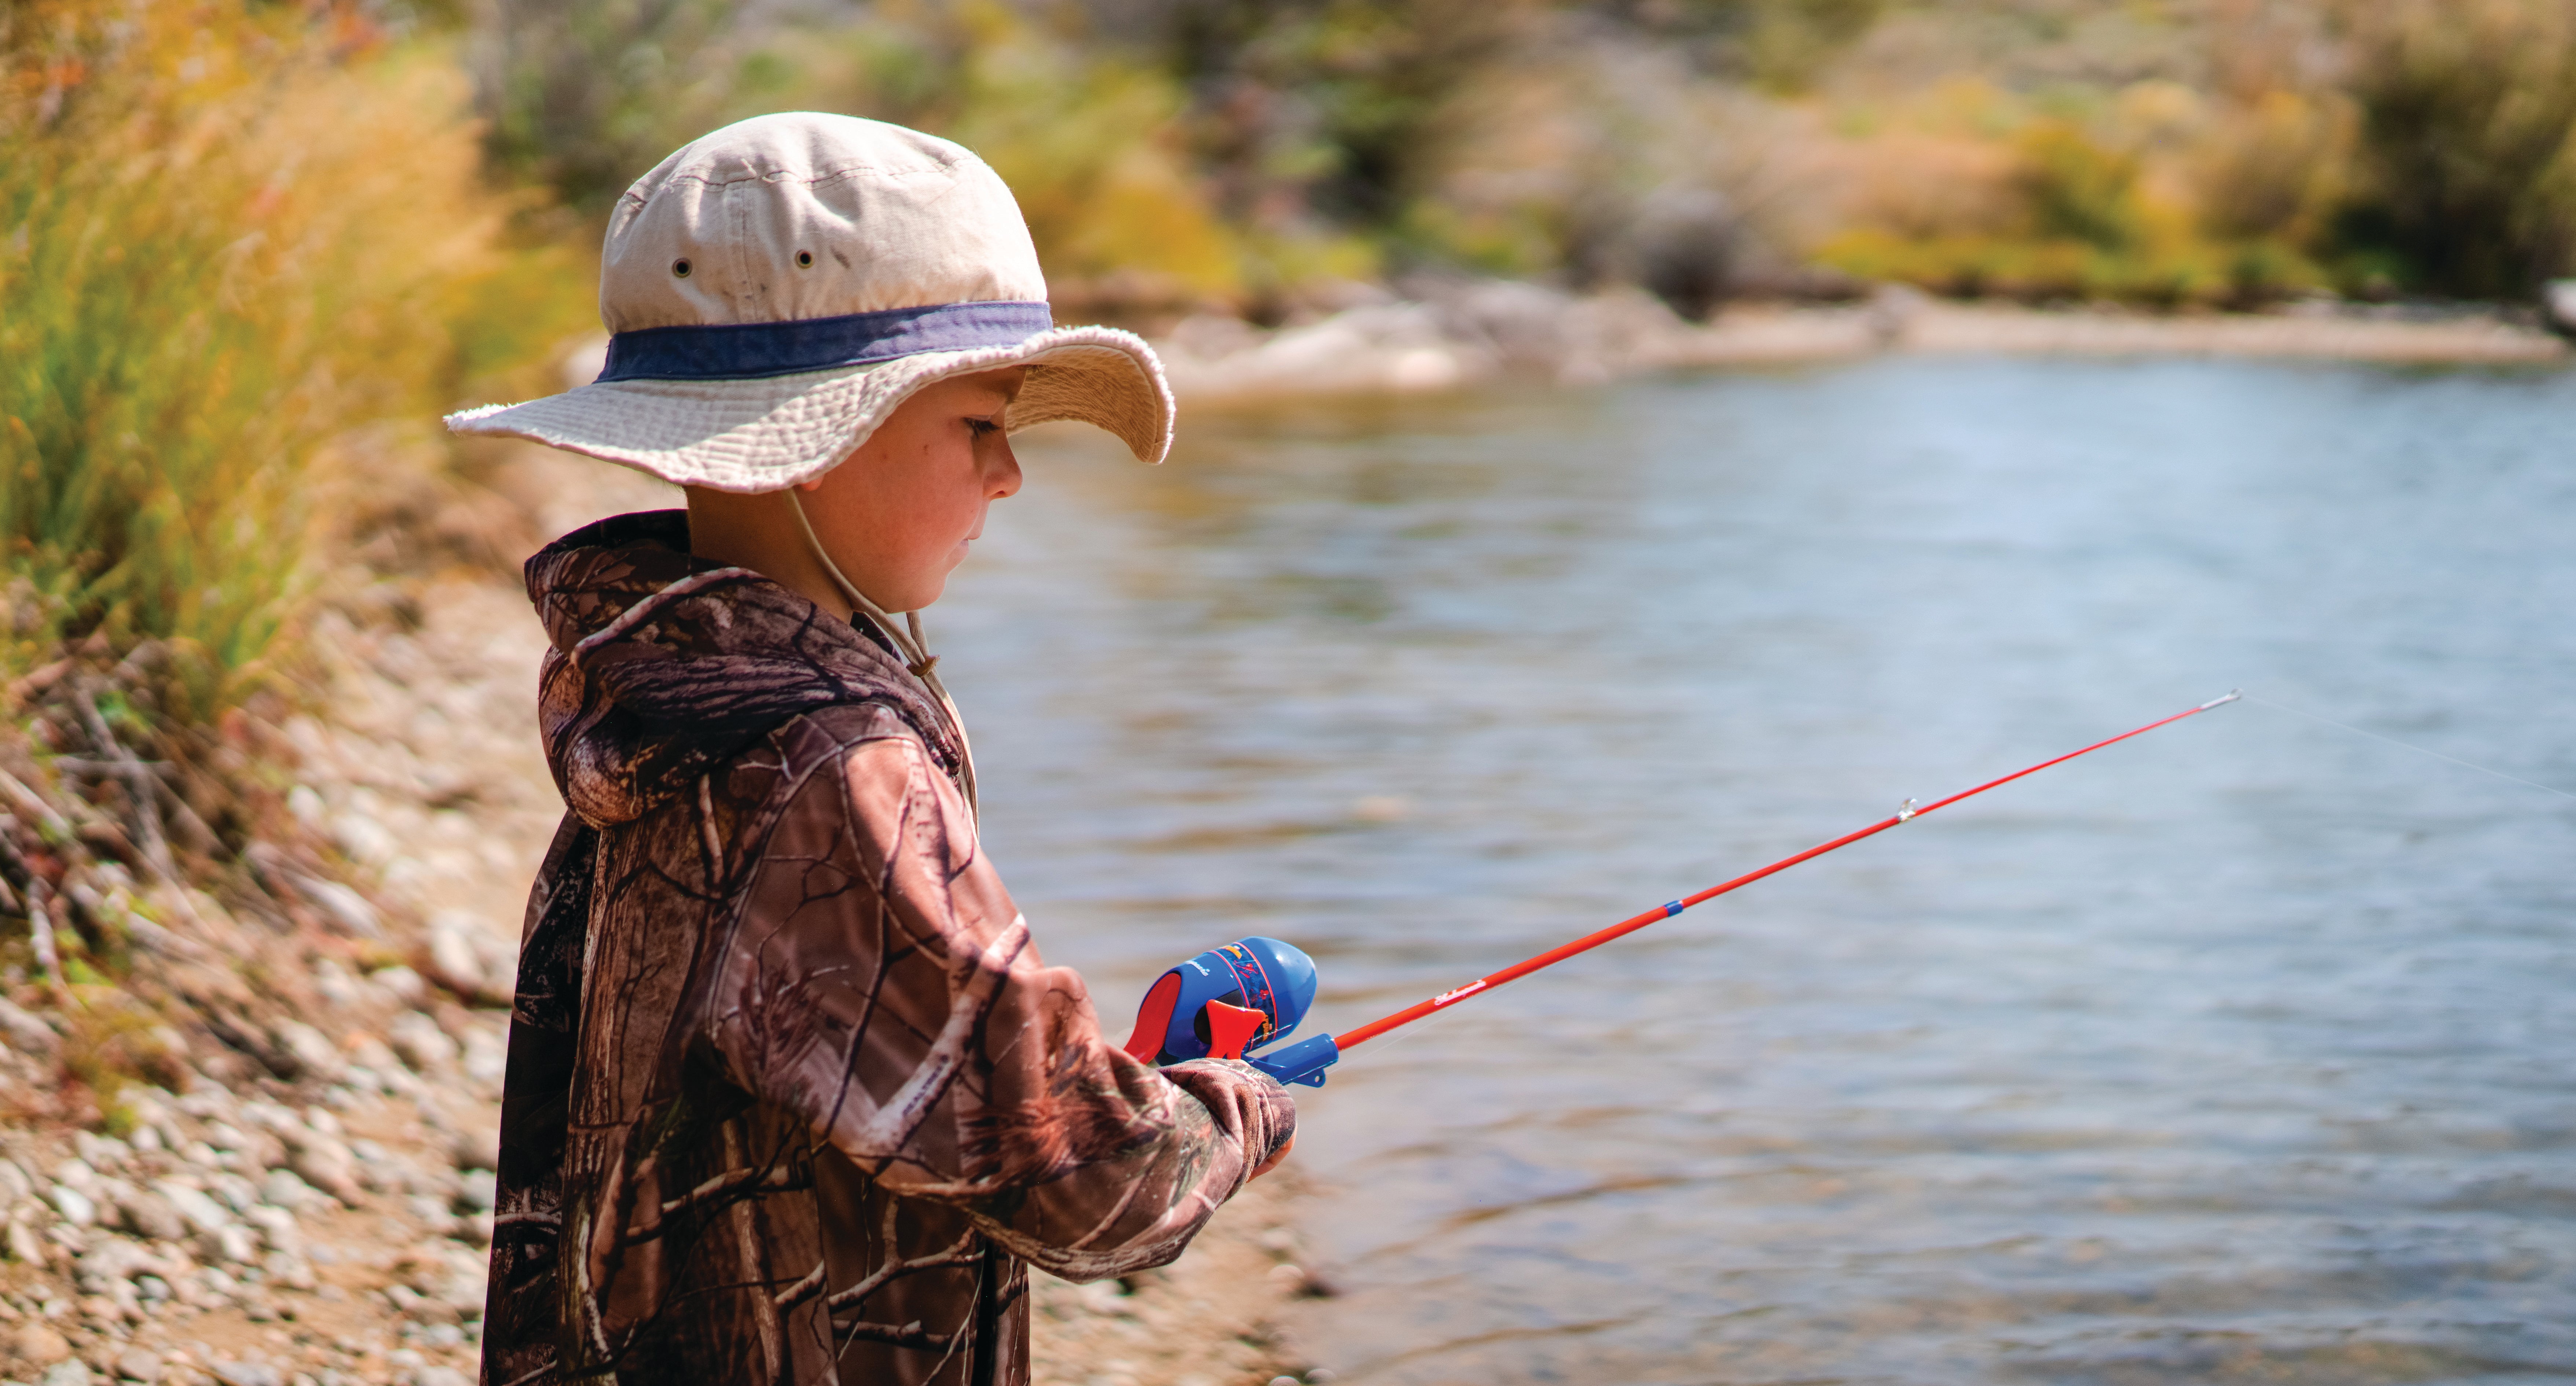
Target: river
<point>2239,1052</point>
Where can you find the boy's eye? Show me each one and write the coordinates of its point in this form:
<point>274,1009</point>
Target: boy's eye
<point>982,427</point>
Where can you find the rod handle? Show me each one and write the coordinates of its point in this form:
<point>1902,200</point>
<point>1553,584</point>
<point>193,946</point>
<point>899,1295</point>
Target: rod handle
<point>1303,1062</point>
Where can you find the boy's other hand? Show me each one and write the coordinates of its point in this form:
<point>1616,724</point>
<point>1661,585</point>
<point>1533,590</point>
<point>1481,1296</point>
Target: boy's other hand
<point>1275,1157</point>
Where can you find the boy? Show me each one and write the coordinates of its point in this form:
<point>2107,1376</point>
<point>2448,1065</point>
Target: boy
<point>791,1097</point>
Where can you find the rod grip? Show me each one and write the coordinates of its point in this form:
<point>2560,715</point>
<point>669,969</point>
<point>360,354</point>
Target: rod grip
<point>1303,1062</point>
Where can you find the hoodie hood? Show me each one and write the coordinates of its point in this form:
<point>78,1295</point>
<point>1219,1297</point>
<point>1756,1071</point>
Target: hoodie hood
<point>665,666</point>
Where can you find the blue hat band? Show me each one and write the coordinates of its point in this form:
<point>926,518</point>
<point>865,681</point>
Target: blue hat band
<point>756,350</point>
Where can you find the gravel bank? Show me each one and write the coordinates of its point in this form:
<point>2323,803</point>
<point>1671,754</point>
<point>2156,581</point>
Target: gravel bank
<point>320,1219</point>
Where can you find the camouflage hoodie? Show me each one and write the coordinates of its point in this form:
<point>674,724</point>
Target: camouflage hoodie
<point>791,1097</point>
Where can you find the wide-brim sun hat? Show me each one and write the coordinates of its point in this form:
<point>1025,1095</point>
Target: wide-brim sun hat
<point>775,289</point>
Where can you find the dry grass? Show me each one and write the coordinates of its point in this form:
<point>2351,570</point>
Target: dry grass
<point>237,237</point>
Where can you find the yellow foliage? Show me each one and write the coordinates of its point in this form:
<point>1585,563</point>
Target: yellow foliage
<point>233,240</point>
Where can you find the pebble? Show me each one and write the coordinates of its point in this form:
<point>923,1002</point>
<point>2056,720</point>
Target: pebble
<point>38,1345</point>
<point>454,959</point>
<point>487,1055</point>
<point>326,1164</point>
<point>476,1145</point>
<point>72,1373</point>
<point>75,1206</point>
<point>420,1042</point>
<point>278,1229</point>
<point>437,1376</point>
<point>248,1374</point>
<point>14,1183</point>
<point>281,1188</point>
<point>405,984</point>
<point>25,1245</point>
<point>148,1214</point>
<point>370,1052</point>
<point>233,1243</point>
<point>313,1055</point>
<point>135,1364</point>
<point>234,1191</point>
<point>198,1211</point>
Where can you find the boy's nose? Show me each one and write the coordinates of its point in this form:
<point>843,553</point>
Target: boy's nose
<point>1006,473</point>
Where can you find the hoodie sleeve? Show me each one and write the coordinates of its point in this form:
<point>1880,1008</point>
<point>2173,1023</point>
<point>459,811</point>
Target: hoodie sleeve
<point>881,985</point>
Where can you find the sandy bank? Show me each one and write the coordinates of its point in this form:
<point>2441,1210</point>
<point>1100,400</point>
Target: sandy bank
<point>1488,332</point>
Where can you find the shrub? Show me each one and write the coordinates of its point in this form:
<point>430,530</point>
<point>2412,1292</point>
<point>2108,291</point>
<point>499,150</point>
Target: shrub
<point>216,266</point>
<point>2076,189</point>
<point>1087,140</point>
<point>2466,110</point>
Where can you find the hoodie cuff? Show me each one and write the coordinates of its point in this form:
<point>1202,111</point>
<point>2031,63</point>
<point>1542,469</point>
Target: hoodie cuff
<point>1250,1106</point>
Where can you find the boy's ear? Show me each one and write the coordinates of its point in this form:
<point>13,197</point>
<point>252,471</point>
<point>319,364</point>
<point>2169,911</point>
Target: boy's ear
<point>810,484</point>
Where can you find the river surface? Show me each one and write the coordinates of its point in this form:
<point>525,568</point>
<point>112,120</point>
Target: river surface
<point>2239,1052</point>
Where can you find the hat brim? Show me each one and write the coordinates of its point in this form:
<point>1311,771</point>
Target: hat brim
<point>769,434</point>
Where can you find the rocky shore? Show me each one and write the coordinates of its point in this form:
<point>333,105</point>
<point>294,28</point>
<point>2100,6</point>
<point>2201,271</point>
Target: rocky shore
<point>299,1191</point>
<point>1455,336</point>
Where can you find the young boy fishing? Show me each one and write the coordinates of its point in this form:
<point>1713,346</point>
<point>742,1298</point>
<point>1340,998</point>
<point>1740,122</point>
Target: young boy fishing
<point>791,1097</point>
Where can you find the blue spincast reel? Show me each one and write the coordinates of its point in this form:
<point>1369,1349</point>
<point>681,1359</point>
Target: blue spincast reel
<point>1232,999</point>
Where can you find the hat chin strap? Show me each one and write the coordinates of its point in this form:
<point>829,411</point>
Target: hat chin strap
<point>907,639</point>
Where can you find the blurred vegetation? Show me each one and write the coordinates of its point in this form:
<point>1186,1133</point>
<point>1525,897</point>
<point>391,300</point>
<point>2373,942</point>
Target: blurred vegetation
<point>214,281</point>
<point>2467,175</point>
<point>252,249</point>
<point>1254,154</point>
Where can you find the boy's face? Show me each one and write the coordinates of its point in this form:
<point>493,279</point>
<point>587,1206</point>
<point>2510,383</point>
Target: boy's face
<point>898,515</point>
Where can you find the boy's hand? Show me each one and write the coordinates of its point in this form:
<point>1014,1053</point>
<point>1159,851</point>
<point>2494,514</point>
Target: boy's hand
<point>1275,1157</point>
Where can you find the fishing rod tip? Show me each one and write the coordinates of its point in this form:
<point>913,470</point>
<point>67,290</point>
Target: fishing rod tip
<point>2232,695</point>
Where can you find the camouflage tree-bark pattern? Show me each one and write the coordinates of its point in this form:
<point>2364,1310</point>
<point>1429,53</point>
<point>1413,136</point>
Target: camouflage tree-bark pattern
<point>791,1097</point>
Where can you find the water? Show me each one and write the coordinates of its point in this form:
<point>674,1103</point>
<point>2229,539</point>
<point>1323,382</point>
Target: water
<point>2237,1052</point>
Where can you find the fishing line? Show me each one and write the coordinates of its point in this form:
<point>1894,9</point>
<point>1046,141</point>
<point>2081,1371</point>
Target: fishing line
<point>1905,814</point>
<point>1222,1005</point>
<point>2402,745</point>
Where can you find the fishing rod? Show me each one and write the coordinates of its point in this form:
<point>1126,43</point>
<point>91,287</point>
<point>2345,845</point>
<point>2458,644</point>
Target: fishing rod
<point>1252,992</point>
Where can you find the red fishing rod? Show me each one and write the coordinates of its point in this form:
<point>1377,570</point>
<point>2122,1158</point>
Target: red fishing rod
<point>1227,1000</point>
